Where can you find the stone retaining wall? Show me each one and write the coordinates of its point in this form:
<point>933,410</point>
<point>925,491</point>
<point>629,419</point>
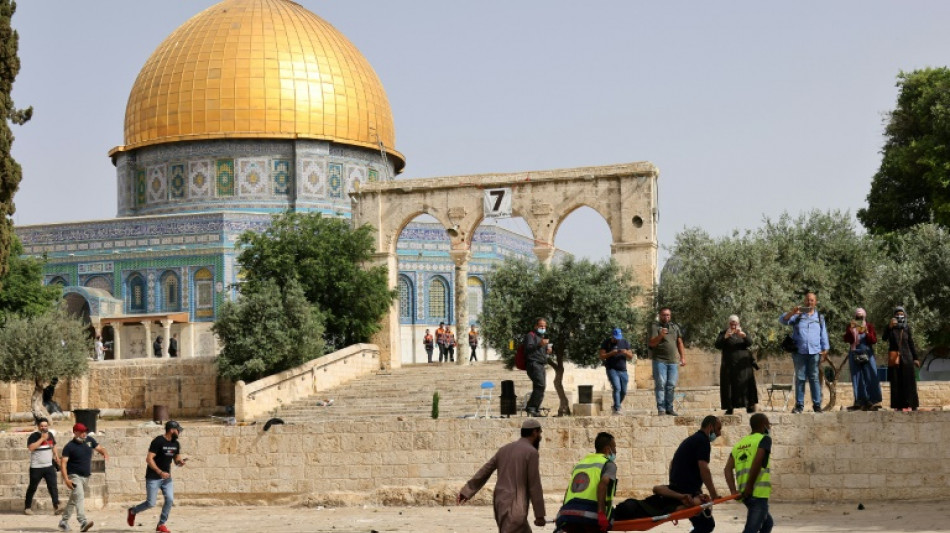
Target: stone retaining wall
<point>831,456</point>
<point>188,387</point>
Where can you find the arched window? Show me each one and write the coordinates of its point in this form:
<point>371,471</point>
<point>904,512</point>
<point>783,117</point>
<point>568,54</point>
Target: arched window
<point>58,280</point>
<point>137,296</point>
<point>438,299</point>
<point>476,297</point>
<point>406,309</point>
<point>204,294</point>
<point>100,282</point>
<point>171,292</point>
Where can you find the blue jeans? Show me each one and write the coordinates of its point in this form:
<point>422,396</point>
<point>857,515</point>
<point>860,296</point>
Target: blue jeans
<point>618,380</point>
<point>758,520</point>
<point>665,376</point>
<point>152,487</point>
<point>806,364</point>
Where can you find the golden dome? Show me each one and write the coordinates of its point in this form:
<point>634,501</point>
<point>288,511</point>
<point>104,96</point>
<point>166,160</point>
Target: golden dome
<point>258,69</point>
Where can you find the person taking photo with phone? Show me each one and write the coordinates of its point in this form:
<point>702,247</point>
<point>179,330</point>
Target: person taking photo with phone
<point>811,338</point>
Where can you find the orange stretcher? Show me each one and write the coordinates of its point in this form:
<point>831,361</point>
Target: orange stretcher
<point>644,524</point>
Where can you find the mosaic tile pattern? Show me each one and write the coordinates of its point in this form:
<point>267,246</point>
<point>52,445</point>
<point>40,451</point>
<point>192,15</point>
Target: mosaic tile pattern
<point>224,177</point>
<point>253,177</point>
<point>177,181</point>
<point>141,186</point>
<point>313,180</point>
<point>200,178</point>
<point>157,184</point>
<point>335,180</point>
<point>281,176</point>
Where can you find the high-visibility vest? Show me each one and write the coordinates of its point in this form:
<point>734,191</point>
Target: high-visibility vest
<point>743,454</point>
<point>582,492</point>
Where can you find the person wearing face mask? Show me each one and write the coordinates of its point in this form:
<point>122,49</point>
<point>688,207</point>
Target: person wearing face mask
<point>76,467</point>
<point>737,369</point>
<point>748,469</point>
<point>861,337</point>
<point>536,350</point>
<point>518,483</point>
<point>588,501</point>
<point>900,372</point>
<point>689,469</point>
<point>162,452</point>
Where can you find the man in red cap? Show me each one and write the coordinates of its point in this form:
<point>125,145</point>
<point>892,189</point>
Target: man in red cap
<point>76,467</point>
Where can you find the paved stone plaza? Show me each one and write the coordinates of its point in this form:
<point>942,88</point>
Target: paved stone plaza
<point>878,517</point>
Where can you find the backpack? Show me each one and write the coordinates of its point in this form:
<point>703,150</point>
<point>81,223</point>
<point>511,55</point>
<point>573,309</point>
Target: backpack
<point>521,360</point>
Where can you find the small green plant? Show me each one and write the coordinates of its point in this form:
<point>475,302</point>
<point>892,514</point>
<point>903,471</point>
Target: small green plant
<point>435,404</point>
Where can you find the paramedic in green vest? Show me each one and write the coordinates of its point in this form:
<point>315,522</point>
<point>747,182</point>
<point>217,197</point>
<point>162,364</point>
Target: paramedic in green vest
<point>748,467</point>
<point>588,502</point>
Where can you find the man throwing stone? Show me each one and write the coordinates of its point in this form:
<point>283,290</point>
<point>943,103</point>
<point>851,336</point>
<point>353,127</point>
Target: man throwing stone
<point>164,450</point>
<point>519,481</point>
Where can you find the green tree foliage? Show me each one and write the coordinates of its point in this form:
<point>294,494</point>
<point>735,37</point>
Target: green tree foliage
<point>761,274</point>
<point>9,169</point>
<point>43,347</point>
<point>916,275</point>
<point>330,261</point>
<point>912,185</point>
<point>268,330</point>
<point>23,291</point>
<point>581,301</point>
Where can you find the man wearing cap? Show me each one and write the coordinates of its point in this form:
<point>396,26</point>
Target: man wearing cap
<point>615,352</point>
<point>163,450</point>
<point>76,467</point>
<point>519,481</point>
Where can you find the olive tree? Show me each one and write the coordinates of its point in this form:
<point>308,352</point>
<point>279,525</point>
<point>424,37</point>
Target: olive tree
<point>580,300</point>
<point>42,347</point>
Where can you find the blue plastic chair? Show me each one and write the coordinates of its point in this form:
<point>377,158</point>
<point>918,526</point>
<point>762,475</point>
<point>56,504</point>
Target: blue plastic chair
<point>484,398</point>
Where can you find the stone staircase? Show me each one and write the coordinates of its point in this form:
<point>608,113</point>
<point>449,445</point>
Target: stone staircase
<point>407,392</point>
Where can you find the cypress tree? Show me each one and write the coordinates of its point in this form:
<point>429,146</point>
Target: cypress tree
<point>10,171</point>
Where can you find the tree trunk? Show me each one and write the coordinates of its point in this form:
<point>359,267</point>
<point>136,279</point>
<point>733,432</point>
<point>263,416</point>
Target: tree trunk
<point>565,407</point>
<point>36,402</point>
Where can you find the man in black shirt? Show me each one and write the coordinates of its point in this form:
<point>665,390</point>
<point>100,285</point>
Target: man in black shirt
<point>76,467</point>
<point>536,351</point>
<point>689,469</point>
<point>615,352</point>
<point>161,453</point>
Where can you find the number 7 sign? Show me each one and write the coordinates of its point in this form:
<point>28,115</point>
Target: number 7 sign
<point>498,203</point>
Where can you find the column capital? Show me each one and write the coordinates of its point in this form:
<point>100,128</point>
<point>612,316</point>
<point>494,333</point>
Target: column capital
<point>167,323</point>
<point>460,257</point>
<point>544,253</point>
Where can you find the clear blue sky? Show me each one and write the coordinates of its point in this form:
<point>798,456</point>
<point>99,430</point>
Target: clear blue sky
<point>749,109</point>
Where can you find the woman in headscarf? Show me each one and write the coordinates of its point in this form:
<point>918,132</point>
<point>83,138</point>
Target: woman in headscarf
<point>861,338</point>
<point>736,372</point>
<point>900,372</point>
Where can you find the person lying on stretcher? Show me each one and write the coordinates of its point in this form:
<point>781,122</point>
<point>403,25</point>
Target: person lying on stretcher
<point>663,501</point>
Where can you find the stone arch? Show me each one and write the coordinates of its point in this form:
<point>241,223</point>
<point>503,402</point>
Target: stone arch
<point>77,305</point>
<point>625,195</point>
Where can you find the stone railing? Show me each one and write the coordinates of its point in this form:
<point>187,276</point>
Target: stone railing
<point>252,400</point>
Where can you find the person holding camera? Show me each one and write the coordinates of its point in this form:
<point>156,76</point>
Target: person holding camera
<point>811,338</point>
<point>666,342</point>
<point>861,338</point>
<point>902,362</point>
<point>737,369</point>
<point>42,446</point>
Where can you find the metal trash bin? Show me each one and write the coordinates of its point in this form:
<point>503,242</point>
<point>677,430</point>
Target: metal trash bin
<point>87,417</point>
<point>160,413</point>
<point>509,400</point>
<point>585,394</point>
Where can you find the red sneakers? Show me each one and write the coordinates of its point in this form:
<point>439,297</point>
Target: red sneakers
<point>162,529</point>
<point>130,518</point>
